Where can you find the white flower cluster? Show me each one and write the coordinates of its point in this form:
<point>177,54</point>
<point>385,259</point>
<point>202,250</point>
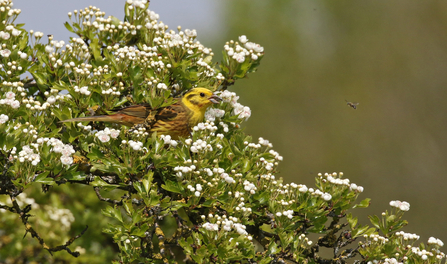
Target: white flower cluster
<point>376,238</point>
<point>96,72</point>
<point>162,86</point>
<point>243,112</point>
<point>196,190</point>
<point>249,187</point>
<point>200,146</point>
<point>6,5</point>
<point>51,100</point>
<point>136,3</point>
<point>268,165</point>
<point>226,224</point>
<point>208,70</point>
<point>107,133</point>
<point>58,147</point>
<point>168,141</point>
<point>241,205</point>
<point>180,170</point>
<point>226,177</point>
<point>326,196</point>
<point>5,35</point>
<point>403,206</point>
<point>435,241</point>
<point>303,237</point>
<point>36,34</point>
<point>386,261</point>
<point>86,128</point>
<point>288,214</point>
<point>64,216</point>
<point>27,154</point>
<point>10,100</point>
<point>408,236</point>
<point>338,181</point>
<point>82,90</point>
<point>5,53</point>
<point>208,125</point>
<point>112,91</point>
<point>239,53</point>
<point>3,118</point>
<point>135,145</point>
<point>424,254</point>
<point>212,113</point>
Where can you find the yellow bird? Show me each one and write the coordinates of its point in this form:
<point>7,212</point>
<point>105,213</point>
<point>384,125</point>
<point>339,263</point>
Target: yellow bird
<point>175,120</point>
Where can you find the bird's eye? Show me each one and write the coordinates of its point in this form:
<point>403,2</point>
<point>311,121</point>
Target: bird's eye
<point>202,95</point>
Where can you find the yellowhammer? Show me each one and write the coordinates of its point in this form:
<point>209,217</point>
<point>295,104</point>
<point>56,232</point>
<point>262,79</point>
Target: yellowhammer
<point>175,120</point>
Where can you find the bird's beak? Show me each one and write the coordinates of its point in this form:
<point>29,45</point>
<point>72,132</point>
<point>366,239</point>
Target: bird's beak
<point>215,99</point>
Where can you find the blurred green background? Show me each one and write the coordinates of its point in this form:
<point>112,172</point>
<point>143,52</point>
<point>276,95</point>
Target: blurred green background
<point>389,56</point>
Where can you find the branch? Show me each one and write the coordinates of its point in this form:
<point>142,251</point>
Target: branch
<point>23,213</point>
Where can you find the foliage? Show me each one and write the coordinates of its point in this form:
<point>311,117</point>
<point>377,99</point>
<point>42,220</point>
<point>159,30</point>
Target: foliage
<point>209,198</point>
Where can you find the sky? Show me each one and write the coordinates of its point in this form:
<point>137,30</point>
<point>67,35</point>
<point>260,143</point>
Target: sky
<point>48,16</point>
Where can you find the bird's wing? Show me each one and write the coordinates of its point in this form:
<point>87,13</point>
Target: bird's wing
<point>140,111</point>
<point>169,112</point>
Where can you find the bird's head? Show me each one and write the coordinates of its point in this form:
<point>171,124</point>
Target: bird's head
<point>199,99</point>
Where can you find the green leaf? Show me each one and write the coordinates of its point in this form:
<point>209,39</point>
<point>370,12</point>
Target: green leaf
<point>273,248</point>
<point>99,182</point>
<point>42,178</point>
<point>96,49</point>
<point>375,221</point>
<point>363,204</point>
<point>113,212</point>
<point>69,27</point>
<point>172,186</point>
<point>128,207</point>
<point>351,220</point>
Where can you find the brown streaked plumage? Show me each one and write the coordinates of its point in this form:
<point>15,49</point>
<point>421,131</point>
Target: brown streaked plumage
<point>175,120</point>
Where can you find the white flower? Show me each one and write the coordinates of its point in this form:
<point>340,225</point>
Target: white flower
<point>24,56</point>
<point>326,196</point>
<point>303,189</point>
<point>84,90</point>
<point>210,227</point>
<point>212,113</point>
<point>152,15</point>
<point>404,206</point>
<point>10,95</point>
<point>258,48</point>
<point>435,241</point>
<point>243,39</point>
<point>250,45</point>
<point>102,136</point>
<point>67,160</point>
<point>15,32</point>
<point>244,112</point>
<point>5,53</point>
<point>49,49</point>
<point>4,35</point>
<point>15,104</point>
<point>3,118</point>
<point>114,133</point>
<point>135,145</point>
<point>239,57</point>
<point>191,33</point>
<point>162,86</point>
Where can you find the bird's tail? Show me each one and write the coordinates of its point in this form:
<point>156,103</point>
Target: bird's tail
<point>116,118</point>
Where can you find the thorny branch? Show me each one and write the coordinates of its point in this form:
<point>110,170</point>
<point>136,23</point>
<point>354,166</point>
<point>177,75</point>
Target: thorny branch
<point>24,215</point>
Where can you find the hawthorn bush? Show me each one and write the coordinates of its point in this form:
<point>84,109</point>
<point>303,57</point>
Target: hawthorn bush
<point>95,192</point>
